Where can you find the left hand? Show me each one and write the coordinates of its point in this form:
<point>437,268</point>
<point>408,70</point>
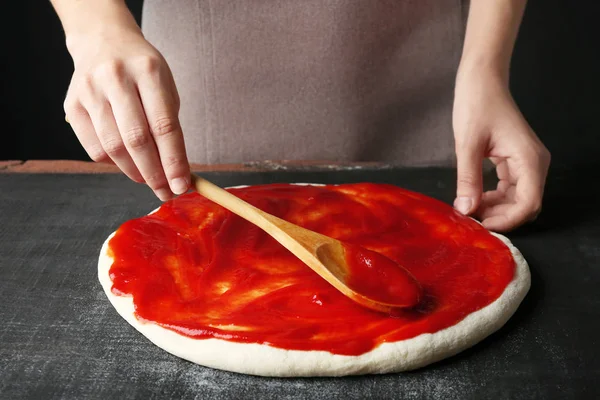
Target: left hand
<point>488,124</point>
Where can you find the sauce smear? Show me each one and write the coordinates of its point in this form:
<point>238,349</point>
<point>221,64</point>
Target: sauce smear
<point>379,278</point>
<point>197,269</point>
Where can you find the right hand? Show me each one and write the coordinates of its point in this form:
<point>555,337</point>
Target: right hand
<point>123,106</point>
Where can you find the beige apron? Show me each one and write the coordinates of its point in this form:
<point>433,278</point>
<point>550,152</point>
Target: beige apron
<point>342,80</point>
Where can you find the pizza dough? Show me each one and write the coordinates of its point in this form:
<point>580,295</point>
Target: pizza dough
<point>265,360</point>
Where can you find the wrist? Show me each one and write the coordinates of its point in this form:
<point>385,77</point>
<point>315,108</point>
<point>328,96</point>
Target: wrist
<point>481,68</point>
<point>101,20</point>
<point>79,43</point>
<point>490,36</point>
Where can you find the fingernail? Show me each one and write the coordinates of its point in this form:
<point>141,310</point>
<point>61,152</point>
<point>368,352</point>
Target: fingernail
<point>179,185</point>
<point>463,204</point>
<point>163,194</point>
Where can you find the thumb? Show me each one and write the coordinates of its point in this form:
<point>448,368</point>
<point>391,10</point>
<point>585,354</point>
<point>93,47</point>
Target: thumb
<point>469,184</point>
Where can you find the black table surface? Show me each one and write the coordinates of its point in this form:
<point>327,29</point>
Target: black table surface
<point>60,337</point>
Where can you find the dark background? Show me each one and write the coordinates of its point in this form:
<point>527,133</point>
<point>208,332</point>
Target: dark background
<point>555,80</point>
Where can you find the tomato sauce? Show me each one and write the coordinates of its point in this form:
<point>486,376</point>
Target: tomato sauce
<point>197,269</point>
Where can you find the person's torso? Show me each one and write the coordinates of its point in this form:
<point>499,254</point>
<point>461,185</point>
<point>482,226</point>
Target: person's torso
<point>335,80</point>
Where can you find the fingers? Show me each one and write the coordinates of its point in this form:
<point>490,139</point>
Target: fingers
<point>502,170</point>
<point>469,185</point>
<point>82,125</point>
<point>95,124</point>
<point>494,197</point>
<point>135,136</point>
<point>126,111</point>
<point>160,101</point>
<point>519,204</point>
<point>103,121</point>
<point>506,217</point>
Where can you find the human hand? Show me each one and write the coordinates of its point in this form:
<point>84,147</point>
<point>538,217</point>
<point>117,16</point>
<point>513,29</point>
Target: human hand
<point>488,123</point>
<point>123,105</point>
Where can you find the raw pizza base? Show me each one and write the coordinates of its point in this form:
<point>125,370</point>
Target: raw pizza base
<point>264,360</point>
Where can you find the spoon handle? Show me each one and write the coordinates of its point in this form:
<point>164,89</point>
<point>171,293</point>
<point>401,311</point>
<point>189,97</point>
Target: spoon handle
<point>298,240</point>
<point>229,201</point>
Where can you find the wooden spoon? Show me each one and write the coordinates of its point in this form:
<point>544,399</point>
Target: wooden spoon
<point>364,276</point>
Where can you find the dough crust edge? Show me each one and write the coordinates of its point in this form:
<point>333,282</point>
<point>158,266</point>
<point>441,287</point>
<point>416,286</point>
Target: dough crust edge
<point>264,360</point>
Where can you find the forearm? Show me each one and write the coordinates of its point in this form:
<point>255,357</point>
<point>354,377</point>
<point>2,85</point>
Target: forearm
<point>81,18</point>
<point>492,28</point>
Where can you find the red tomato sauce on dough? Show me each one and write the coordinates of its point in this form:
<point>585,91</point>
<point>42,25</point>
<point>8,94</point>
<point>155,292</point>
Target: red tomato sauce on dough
<point>380,279</point>
<point>197,269</point>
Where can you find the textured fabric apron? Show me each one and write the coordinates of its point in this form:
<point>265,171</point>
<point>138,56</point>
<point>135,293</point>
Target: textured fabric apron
<point>339,80</point>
